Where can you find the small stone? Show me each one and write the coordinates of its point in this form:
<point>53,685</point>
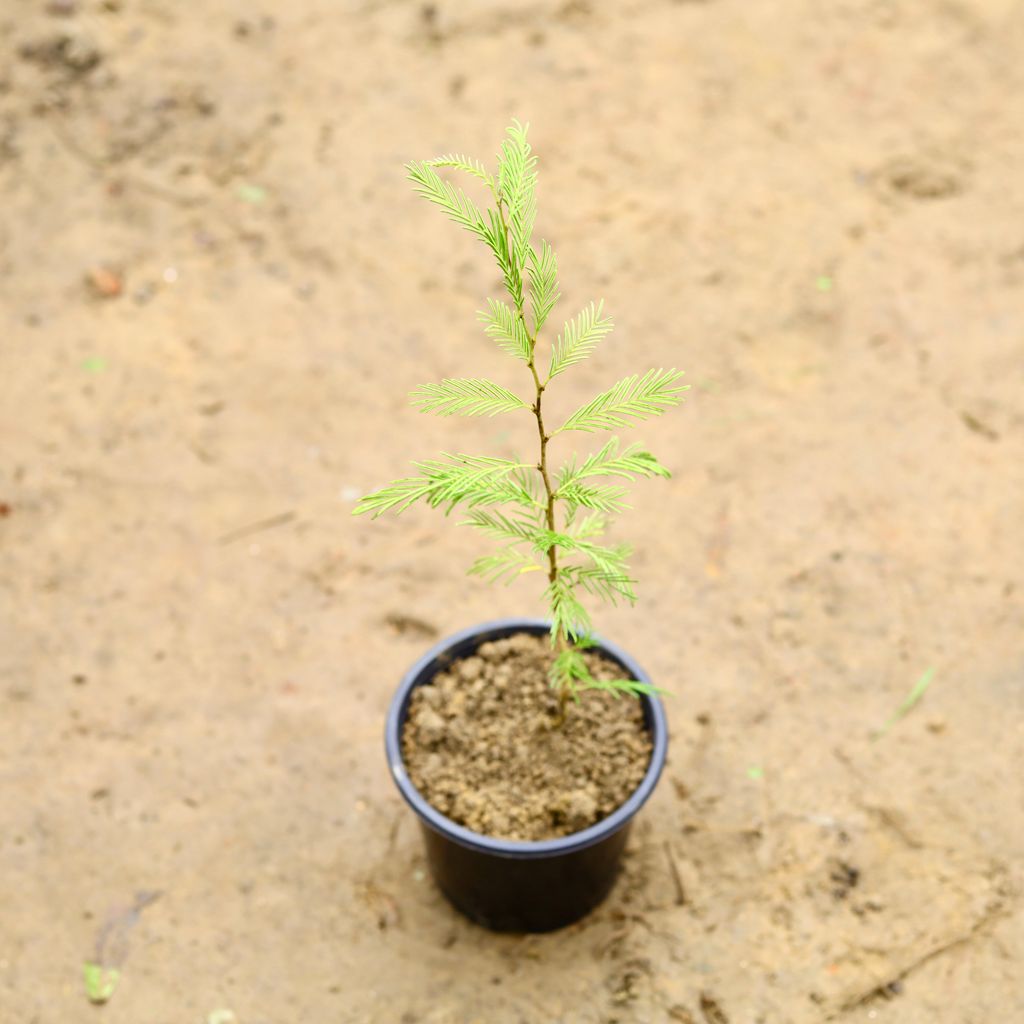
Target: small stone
<point>80,54</point>
<point>471,669</point>
<point>104,282</point>
<point>487,651</point>
<point>430,696</point>
<point>429,727</point>
<point>580,809</point>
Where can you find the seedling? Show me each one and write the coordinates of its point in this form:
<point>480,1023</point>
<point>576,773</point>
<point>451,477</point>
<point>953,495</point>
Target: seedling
<point>549,520</point>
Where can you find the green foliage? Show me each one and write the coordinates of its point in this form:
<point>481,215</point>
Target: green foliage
<point>569,618</point>
<point>570,665</point>
<point>507,328</point>
<point>517,189</point>
<point>466,398</point>
<point>521,503</point>
<point>100,982</point>
<point>631,463</point>
<point>505,527</point>
<point>543,271</point>
<point>605,498</point>
<point>579,338</point>
<point>507,562</point>
<point>633,398</point>
<point>429,184</point>
<point>471,479</point>
<point>458,162</point>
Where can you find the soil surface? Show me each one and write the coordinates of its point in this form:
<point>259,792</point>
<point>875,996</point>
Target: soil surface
<point>216,290</point>
<point>482,744</point>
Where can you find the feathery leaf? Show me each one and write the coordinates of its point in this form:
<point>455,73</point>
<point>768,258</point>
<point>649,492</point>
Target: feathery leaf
<point>511,528</point>
<point>602,583</point>
<point>465,397</point>
<point>633,398</point>
<point>397,496</point>
<point>568,615</point>
<point>511,273</point>
<point>570,670</point>
<point>592,525</point>
<point>474,479</point>
<point>579,338</point>
<point>464,163</point>
<point>604,498</point>
<point>507,562</point>
<point>617,687</point>
<point>522,487</point>
<point>611,560</point>
<point>517,185</point>
<point>631,463</point>
<point>543,272</point>
<point>429,184</point>
<point>506,327</point>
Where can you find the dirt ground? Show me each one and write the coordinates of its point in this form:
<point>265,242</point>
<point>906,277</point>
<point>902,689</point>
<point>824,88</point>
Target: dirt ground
<point>216,289</point>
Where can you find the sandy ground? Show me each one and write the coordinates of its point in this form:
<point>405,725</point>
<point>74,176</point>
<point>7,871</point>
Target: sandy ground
<point>816,209</point>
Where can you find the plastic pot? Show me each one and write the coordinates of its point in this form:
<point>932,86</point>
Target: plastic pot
<point>510,885</point>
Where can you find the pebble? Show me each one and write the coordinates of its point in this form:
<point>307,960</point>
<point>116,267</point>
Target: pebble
<point>429,727</point>
<point>104,282</point>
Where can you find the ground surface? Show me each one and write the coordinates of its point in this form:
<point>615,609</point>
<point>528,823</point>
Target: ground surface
<point>816,209</point>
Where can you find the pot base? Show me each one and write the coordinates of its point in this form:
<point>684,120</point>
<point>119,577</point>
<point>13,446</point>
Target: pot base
<point>516,895</point>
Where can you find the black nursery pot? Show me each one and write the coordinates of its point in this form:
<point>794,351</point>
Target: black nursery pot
<point>503,884</point>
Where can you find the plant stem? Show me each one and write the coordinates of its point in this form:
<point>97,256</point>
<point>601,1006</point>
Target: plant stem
<point>561,640</point>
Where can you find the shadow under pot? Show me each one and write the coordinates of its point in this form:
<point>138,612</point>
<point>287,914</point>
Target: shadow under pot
<point>510,885</point>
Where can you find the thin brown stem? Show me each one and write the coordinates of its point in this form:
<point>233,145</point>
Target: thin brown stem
<point>561,640</point>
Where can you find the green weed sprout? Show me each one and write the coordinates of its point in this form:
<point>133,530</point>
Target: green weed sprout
<point>549,520</point>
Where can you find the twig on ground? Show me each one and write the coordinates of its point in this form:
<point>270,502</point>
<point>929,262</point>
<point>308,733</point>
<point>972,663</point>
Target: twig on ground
<point>258,527</point>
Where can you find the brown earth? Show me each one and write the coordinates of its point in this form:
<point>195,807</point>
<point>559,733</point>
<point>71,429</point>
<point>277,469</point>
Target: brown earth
<point>483,744</point>
<point>215,291</point>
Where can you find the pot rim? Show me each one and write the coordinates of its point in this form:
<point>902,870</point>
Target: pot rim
<point>514,848</point>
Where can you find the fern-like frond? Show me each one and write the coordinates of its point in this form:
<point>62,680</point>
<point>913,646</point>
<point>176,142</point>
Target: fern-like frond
<point>517,189</point>
<point>605,498</point>
<point>591,525</point>
<point>513,528</point>
<point>477,481</point>
<point>397,496</point>
<point>607,575</point>
<point>608,585</point>
<point>511,272</point>
<point>631,399</point>
<point>465,397</point>
<point>569,669</point>
<point>579,338</point>
<point>632,462</point>
<point>522,487</point>
<point>507,563</point>
<point>459,207</point>
<point>473,480</point>
<point>611,560</point>
<point>506,327</point>
<point>543,272</point>
<point>617,687</point>
<point>568,616</point>
<point>546,539</point>
<point>458,162</point>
